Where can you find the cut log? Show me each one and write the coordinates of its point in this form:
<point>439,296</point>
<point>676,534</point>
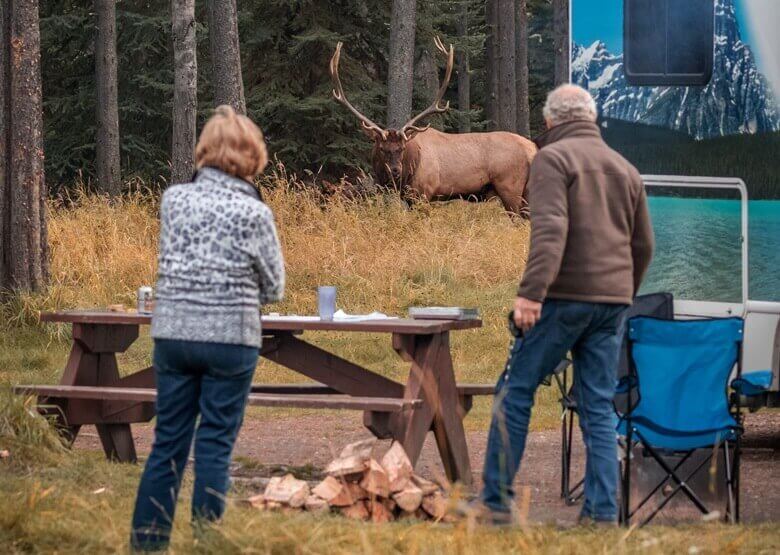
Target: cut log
<point>398,467</point>
<point>316,504</point>
<point>288,491</point>
<point>328,489</point>
<point>381,510</point>
<point>427,487</point>
<point>257,501</point>
<point>409,498</point>
<point>375,480</point>
<point>356,491</point>
<point>360,449</point>
<point>357,511</point>
<point>435,505</point>
<point>352,460</point>
<point>346,466</point>
<point>339,493</point>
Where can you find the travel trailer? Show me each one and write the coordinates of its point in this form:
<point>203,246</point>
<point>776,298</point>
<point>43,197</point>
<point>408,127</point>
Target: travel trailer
<point>689,91</point>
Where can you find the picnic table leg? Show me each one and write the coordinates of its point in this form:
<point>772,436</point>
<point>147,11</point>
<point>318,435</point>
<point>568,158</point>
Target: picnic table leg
<point>433,381</point>
<point>448,422</point>
<point>92,362</point>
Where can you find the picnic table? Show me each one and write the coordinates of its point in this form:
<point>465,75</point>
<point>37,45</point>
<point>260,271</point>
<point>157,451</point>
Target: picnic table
<point>91,390</point>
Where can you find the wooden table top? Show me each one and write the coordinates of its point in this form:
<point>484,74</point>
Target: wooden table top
<point>390,325</point>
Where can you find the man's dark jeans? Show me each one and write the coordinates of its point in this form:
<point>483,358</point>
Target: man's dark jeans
<point>593,333</point>
<point>207,379</point>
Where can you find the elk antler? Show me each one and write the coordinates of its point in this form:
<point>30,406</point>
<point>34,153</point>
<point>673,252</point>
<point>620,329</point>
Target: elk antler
<point>338,94</point>
<point>435,107</point>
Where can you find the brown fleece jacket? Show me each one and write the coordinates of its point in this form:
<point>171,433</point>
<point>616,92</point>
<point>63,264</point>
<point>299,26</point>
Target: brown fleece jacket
<point>591,237</point>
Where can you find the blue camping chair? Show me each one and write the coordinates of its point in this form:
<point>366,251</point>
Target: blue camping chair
<point>680,371</point>
<point>657,305</point>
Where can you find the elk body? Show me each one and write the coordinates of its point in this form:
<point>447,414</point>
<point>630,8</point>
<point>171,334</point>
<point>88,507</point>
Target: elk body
<point>424,162</point>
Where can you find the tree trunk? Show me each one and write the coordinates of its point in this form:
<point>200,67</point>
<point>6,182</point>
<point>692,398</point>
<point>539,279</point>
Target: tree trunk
<point>226,55</point>
<point>185,90</point>
<point>561,40</point>
<point>507,86</point>
<point>107,144</point>
<point>464,79</point>
<point>425,75</point>
<point>491,62</point>
<point>521,68</point>
<point>5,172</point>
<point>23,247</point>
<point>400,78</point>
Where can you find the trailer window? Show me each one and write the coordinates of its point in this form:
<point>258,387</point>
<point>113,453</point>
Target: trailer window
<point>668,42</point>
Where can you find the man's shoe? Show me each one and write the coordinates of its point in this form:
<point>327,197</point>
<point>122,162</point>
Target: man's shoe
<point>589,522</point>
<point>482,514</point>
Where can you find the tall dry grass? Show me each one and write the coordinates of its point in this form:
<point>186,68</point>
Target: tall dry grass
<point>380,254</point>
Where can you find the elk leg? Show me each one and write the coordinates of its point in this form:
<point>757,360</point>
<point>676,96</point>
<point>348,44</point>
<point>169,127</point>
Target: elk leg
<point>511,192</point>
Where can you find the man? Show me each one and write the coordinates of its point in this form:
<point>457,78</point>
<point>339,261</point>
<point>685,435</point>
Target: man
<point>591,243</point>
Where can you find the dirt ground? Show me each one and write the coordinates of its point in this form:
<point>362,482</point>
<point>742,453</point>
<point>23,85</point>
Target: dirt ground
<point>312,440</point>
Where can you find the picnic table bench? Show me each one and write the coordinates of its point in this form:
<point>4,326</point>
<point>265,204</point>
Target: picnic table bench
<point>91,390</point>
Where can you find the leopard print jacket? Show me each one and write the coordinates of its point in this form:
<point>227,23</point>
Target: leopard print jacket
<point>220,261</point>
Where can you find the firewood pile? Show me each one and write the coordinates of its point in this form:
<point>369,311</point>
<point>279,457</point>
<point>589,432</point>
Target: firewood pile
<point>359,486</point>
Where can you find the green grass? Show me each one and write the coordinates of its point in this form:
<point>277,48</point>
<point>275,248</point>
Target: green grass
<point>63,508</point>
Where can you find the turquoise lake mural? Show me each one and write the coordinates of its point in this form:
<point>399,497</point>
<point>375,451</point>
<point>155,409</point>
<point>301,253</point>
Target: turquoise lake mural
<point>728,127</point>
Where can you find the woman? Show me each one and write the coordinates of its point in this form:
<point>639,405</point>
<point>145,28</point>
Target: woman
<point>220,261</point>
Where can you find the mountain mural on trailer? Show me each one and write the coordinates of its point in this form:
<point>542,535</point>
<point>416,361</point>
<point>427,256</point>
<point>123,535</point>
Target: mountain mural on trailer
<point>738,98</point>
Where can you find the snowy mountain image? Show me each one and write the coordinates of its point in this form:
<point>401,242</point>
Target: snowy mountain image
<point>738,99</point>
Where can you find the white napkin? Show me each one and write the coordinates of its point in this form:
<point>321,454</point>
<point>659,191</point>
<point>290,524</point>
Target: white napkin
<point>342,316</point>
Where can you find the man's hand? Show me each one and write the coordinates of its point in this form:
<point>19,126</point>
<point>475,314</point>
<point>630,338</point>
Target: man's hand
<point>527,313</point>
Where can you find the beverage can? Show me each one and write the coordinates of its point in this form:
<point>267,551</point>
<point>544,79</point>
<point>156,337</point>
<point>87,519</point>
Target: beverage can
<point>145,300</point>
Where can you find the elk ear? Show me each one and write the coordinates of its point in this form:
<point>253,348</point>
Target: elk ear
<point>372,134</point>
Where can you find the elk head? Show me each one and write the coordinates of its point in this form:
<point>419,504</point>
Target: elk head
<point>390,152</point>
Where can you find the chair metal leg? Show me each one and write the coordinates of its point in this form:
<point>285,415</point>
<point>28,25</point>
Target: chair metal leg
<point>730,515</point>
<point>570,494</point>
<point>661,484</point>
<point>564,456</point>
<point>625,493</point>
<point>682,485</point>
<point>736,471</point>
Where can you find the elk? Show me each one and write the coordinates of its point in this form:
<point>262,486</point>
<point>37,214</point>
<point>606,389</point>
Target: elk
<point>424,162</point>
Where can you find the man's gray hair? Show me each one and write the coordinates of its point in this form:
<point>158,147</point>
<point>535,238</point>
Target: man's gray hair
<point>569,103</point>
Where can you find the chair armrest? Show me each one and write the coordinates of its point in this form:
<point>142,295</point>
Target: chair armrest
<point>753,383</point>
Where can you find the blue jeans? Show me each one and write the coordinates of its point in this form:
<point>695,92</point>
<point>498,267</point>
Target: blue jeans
<point>212,380</point>
<point>593,333</point>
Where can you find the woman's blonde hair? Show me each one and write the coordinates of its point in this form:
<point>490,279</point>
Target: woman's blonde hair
<point>232,143</point>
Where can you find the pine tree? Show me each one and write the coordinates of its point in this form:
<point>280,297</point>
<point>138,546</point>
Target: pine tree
<point>185,90</point>
<point>462,63</point>
<point>561,40</point>
<point>23,241</point>
<point>285,49</point>
<point>226,55</point>
<point>521,68</point>
<point>491,63</point>
<point>507,86</point>
<point>400,81</point>
<point>107,142</point>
